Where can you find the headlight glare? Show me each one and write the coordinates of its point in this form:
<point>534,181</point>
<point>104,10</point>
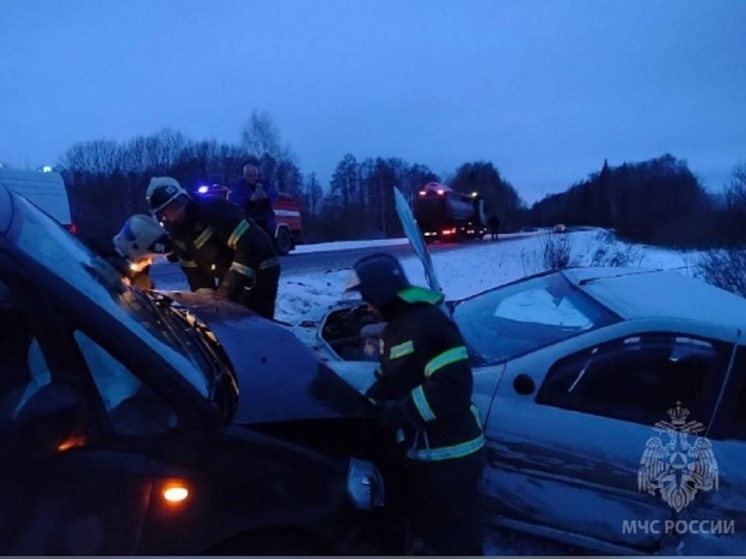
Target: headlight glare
<point>365,485</point>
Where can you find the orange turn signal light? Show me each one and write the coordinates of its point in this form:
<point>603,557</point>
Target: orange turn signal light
<point>175,493</point>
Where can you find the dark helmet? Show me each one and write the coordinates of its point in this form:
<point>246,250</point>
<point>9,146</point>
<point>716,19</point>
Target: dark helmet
<point>378,277</point>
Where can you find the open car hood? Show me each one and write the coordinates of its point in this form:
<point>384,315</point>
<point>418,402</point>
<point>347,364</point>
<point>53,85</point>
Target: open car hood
<point>279,378</point>
<point>416,239</point>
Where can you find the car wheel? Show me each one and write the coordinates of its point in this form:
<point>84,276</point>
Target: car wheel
<point>273,542</point>
<point>284,241</point>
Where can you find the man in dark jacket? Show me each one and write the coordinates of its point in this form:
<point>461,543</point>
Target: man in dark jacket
<point>218,246</point>
<point>255,198</point>
<point>423,392</point>
<point>494,225</point>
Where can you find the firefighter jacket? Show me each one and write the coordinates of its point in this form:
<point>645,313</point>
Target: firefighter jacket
<point>424,363</point>
<point>215,237</point>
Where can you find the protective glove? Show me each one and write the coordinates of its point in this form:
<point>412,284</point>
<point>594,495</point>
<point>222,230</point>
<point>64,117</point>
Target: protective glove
<point>394,414</point>
<point>234,284</point>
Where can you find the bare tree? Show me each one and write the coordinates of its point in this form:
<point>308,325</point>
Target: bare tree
<point>170,147</point>
<point>313,194</point>
<point>735,193</point>
<point>260,135</point>
<point>725,269</point>
<point>96,157</point>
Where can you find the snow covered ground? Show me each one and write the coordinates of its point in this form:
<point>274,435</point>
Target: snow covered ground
<point>470,270</point>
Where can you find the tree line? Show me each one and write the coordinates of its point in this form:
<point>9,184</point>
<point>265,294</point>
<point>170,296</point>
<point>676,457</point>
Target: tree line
<point>655,201</point>
<point>658,201</point>
<point>107,181</point>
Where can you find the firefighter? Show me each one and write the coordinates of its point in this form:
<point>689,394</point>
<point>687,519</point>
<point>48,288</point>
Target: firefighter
<point>423,392</point>
<point>132,249</point>
<point>218,246</point>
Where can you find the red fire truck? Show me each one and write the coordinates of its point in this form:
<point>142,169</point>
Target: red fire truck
<point>288,231</point>
<point>288,225</point>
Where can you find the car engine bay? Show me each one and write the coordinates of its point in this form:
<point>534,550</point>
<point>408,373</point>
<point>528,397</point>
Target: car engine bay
<point>353,333</point>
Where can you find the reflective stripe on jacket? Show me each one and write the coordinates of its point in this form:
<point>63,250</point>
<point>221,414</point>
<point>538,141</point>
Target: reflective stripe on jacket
<point>217,236</point>
<point>425,362</point>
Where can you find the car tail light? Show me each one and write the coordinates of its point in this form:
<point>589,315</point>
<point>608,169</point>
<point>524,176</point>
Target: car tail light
<point>71,227</point>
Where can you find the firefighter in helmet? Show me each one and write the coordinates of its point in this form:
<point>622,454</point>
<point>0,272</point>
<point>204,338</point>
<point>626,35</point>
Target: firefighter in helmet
<point>422,392</point>
<point>218,246</point>
<point>132,249</point>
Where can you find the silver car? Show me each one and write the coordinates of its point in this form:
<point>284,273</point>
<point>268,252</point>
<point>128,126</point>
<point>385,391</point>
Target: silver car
<point>613,401</point>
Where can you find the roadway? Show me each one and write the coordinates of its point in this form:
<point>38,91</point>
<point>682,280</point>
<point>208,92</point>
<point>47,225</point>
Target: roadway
<point>327,261</point>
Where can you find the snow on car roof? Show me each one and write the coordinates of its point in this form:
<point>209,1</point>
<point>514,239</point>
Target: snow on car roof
<point>644,293</point>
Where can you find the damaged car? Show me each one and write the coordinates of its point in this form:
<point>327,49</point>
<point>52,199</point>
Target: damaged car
<point>613,402</point>
<point>132,422</point>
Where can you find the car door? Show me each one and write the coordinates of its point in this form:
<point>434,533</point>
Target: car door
<point>714,523</point>
<point>62,493</point>
<point>570,427</point>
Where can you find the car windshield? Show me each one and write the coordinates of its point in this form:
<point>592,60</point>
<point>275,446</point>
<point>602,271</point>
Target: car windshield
<point>46,242</point>
<point>515,319</point>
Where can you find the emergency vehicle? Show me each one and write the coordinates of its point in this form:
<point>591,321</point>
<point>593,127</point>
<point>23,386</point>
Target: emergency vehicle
<point>45,188</point>
<point>446,215</point>
<point>288,225</point>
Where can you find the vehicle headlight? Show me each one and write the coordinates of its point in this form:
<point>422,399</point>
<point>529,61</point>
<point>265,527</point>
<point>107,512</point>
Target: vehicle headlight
<point>365,485</point>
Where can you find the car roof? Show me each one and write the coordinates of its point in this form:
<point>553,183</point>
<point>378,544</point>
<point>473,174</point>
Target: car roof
<point>44,189</point>
<point>6,208</point>
<point>635,293</point>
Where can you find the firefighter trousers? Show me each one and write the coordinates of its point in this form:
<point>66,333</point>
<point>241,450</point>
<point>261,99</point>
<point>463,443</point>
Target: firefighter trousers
<point>262,297</point>
<point>446,504</point>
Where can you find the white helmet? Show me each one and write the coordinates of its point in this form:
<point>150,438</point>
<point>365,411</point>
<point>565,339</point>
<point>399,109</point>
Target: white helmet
<point>162,191</point>
<point>142,237</point>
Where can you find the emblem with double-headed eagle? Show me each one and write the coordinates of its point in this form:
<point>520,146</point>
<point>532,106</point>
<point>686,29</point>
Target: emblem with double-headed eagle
<point>677,463</point>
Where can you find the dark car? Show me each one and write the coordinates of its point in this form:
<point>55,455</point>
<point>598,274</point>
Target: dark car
<point>131,423</point>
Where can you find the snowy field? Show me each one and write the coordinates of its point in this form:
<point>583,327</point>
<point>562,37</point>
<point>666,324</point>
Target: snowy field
<point>464,272</point>
<point>470,270</point>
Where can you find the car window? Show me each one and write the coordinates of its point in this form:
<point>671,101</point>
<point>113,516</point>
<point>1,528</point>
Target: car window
<point>23,367</point>
<point>91,277</point>
<point>133,408</point>
<point>637,378</point>
<point>734,426</point>
<point>515,319</point>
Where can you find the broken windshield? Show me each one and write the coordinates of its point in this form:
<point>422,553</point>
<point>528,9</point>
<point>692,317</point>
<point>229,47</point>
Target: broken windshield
<point>525,316</point>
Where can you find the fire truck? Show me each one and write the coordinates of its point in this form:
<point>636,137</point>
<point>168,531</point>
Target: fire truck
<point>288,231</point>
<point>449,216</point>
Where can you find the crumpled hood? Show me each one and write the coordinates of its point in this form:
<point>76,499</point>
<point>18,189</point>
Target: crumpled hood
<point>279,378</point>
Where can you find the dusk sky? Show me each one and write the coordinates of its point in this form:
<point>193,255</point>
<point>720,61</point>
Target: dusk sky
<point>544,89</point>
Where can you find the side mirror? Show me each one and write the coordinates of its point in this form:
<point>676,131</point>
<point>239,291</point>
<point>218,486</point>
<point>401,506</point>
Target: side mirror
<point>46,420</point>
